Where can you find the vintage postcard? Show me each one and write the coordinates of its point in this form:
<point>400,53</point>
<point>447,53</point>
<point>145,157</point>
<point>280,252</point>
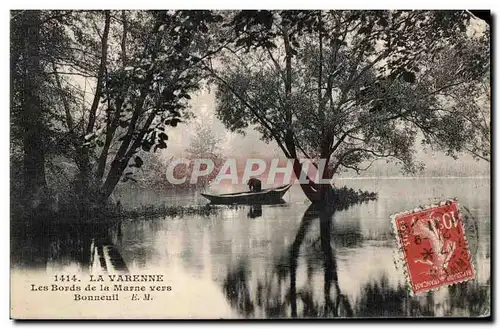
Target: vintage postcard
<point>250,164</point>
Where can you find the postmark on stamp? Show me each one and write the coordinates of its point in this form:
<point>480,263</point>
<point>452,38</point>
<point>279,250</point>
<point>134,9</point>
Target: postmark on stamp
<point>433,246</point>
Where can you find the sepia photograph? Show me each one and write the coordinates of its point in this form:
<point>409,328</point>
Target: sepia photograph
<point>250,164</point>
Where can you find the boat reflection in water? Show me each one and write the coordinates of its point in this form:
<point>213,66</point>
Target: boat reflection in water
<point>255,211</point>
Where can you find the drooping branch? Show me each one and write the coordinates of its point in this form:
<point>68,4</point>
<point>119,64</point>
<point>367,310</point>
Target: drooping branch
<point>265,123</point>
<point>476,154</point>
<point>358,127</point>
<point>358,149</point>
<point>356,168</point>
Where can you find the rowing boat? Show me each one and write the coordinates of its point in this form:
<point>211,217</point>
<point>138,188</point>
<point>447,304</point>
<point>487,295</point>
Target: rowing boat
<point>267,196</point>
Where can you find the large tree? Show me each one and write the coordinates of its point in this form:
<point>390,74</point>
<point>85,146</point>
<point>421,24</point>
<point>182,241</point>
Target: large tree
<point>36,41</point>
<point>349,87</point>
<point>26,97</point>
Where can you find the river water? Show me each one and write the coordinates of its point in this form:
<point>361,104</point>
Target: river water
<point>277,261</point>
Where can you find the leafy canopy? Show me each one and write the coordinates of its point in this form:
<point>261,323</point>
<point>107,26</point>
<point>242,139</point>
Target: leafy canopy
<point>353,86</point>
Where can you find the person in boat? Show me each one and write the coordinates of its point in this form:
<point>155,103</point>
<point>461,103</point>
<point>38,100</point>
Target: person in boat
<point>255,185</point>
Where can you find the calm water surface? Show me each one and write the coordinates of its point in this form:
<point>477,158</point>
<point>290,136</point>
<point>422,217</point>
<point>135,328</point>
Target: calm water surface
<point>281,261</point>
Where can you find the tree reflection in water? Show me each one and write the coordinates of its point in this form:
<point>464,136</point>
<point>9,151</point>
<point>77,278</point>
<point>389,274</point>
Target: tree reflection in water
<point>62,243</point>
<point>466,299</point>
<point>274,298</point>
<point>277,294</point>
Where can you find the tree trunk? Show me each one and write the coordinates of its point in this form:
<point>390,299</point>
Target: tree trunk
<point>112,179</point>
<point>325,190</point>
<point>113,124</point>
<point>31,116</point>
<point>83,181</point>
<point>310,188</point>
<point>318,193</point>
<point>120,163</point>
<point>86,182</point>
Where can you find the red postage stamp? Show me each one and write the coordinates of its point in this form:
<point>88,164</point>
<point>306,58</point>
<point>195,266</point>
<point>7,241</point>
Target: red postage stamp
<point>433,246</point>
